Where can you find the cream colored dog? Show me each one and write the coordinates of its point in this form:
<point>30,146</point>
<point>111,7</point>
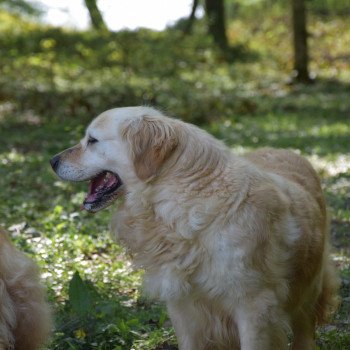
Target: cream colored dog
<point>25,320</point>
<point>235,246</point>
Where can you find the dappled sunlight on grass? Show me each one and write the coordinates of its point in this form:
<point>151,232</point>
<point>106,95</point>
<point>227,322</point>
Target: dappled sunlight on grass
<point>338,165</point>
<point>12,157</point>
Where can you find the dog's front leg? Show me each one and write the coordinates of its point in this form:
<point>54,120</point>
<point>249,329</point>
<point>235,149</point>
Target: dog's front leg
<point>262,324</point>
<point>189,324</point>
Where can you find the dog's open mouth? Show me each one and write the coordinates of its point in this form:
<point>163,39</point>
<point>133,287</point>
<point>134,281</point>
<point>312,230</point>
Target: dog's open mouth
<point>103,190</point>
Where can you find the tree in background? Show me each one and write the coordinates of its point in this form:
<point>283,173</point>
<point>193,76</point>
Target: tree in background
<point>300,36</point>
<point>192,17</point>
<point>21,6</point>
<point>96,18</point>
<point>215,12</point>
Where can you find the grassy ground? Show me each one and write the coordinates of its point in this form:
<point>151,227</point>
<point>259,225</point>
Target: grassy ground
<point>53,82</point>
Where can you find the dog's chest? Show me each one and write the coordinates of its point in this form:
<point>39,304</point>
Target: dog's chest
<point>225,268</point>
<point>214,267</point>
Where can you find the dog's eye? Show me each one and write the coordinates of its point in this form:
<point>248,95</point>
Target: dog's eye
<point>91,140</point>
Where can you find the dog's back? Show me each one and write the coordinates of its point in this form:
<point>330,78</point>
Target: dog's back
<point>292,167</point>
<point>24,313</point>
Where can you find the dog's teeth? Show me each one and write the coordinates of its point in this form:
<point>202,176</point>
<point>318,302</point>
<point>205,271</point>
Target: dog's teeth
<point>106,178</point>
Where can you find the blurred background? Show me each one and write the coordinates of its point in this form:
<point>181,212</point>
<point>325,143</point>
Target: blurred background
<point>251,72</point>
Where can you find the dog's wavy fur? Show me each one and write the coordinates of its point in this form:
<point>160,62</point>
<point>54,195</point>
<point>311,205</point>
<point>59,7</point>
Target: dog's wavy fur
<point>25,319</point>
<point>236,246</point>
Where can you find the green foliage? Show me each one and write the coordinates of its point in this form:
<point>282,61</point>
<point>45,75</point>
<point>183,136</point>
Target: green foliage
<point>93,321</point>
<point>81,295</point>
<point>54,81</point>
<point>21,6</point>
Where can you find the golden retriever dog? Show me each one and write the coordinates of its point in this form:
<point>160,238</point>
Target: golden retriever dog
<point>25,321</point>
<point>236,246</point>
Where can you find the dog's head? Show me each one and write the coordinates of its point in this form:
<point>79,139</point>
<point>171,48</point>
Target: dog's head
<point>120,146</point>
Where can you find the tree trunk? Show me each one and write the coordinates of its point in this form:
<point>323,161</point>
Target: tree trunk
<point>301,58</point>
<point>191,18</point>
<point>215,11</point>
<point>96,18</point>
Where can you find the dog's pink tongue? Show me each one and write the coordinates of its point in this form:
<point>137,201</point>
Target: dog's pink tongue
<point>95,184</point>
<point>100,183</point>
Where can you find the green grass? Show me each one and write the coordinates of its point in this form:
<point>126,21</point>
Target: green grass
<point>53,82</point>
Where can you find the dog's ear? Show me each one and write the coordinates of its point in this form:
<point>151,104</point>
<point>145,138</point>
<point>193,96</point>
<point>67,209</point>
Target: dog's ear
<point>152,141</point>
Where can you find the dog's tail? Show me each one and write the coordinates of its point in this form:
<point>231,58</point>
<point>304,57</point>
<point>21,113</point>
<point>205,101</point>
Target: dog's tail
<point>329,299</point>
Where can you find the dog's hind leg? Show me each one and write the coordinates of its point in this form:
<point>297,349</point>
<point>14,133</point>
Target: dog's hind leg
<point>317,309</point>
<point>304,332</point>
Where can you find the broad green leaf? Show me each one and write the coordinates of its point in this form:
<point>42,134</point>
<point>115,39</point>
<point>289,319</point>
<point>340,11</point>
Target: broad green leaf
<point>81,295</point>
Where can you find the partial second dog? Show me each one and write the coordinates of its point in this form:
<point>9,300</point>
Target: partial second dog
<point>25,318</point>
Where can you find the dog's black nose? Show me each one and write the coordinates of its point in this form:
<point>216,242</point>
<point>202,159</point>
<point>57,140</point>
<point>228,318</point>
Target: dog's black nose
<point>54,161</point>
